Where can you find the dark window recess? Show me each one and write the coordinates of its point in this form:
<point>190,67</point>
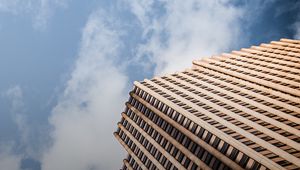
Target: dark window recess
<point>208,158</point>
<point>187,162</point>
<point>256,166</point>
<point>187,142</point>
<point>181,138</point>
<point>216,142</point>
<point>194,166</point>
<point>208,137</point>
<point>175,152</point>
<point>194,128</point>
<point>224,148</point>
<point>216,164</point>
<point>233,154</point>
<point>180,157</point>
<point>244,161</point>
<point>169,164</point>
<point>200,133</point>
<point>193,147</point>
<point>200,153</point>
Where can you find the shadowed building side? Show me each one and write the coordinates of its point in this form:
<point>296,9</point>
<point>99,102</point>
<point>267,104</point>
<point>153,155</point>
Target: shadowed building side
<point>239,110</point>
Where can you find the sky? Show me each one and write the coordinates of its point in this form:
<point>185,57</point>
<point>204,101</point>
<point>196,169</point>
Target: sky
<point>67,66</point>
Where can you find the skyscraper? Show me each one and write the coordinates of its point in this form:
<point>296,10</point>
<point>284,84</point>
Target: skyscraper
<point>234,111</point>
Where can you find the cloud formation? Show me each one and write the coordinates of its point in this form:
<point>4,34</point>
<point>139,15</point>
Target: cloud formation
<point>186,31</point>
<point>40,10</point>
<point>18,112</point>
<point>87,112</point>
<point>8,159</point>
<point>297,28</point>
<point>173,34</point>
<point>15,95</point>
<point>86,115</point>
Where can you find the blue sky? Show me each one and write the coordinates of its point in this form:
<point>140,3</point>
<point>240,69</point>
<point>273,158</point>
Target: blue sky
<point>66,66</point>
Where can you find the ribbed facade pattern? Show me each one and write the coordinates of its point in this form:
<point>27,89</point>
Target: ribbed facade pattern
<point>234,111</point>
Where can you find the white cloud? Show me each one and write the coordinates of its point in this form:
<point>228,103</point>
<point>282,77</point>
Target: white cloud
<point>89,108</point>
<point>9,160</point>
<point>17,109</point>
<point>40,10</point>
<point>88,111</point>
<point>186,30</point>
<point>30,141</point>
<point>15,95</point>
<point>45,11</point>
<point>142,9</point>
<point>297,29</point>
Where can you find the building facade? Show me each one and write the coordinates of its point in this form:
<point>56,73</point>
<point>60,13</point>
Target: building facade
<point>239,110</point>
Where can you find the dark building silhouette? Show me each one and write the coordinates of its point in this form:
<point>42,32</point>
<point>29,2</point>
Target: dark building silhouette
<point>234,111</point>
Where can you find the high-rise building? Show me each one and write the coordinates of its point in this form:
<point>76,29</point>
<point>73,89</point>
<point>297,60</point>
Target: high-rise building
<point>239,110</point>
